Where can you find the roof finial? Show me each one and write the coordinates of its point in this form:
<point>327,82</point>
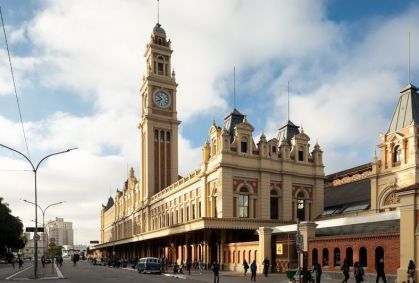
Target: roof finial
<point>409,59</point>
<point>288,101</point>
<point>158,12</point>
<point>234,88</point>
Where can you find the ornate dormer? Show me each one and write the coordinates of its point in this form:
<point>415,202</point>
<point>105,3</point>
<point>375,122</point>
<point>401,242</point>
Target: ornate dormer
<point>243,138</point>
<point>285,149</point>
<point>273,148</point>
<point>300,147</point>
<point>215,139</point>
<point>263,146</point>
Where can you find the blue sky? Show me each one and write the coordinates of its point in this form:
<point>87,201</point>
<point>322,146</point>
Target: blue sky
<point>79,64</point>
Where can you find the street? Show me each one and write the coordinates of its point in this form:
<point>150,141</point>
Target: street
<point>85,272</point>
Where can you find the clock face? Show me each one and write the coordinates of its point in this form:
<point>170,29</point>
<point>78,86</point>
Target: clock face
<point>161,99</point>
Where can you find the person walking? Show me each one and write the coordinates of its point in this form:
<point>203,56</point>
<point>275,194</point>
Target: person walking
<point>253,269</point>
<point>345,270</point>
<point>20,261</point>
<point>216,270</point>
<point>411,270</point>
<point>358,273</point>
<point>43,261</point>
<point>200,266</point>
<point>380,271</point>
<point>245,267</point>
<point>266,266</point>
<point>188,266</point>
<point>317,268</point>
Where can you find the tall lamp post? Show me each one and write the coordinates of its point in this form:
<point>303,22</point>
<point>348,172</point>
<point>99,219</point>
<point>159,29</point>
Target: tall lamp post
<point>43,213</point>
<point>35,170</point>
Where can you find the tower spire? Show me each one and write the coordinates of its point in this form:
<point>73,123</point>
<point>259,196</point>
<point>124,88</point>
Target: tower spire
<point>409,60</point>
<point>288,101</point>
<point>234,88</point>
<point>158,11</point>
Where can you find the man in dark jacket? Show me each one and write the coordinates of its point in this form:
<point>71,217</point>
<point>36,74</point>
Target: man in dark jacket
<point>265,266</point>
<point>380,271</point>
<point>216,269</point>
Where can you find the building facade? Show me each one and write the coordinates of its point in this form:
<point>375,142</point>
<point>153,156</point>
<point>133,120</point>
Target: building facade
<point>240,185</point>
<point>61,231</point>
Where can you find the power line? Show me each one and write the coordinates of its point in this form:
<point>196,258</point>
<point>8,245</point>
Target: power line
<point>14,85</point>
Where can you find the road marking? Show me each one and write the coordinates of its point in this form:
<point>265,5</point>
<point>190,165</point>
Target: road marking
<point>59,273</point>
<point>13,275</point>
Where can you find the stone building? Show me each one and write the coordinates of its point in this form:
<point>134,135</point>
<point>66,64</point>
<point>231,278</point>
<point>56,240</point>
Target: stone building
<point>240,186</point>
<point>242,202</point>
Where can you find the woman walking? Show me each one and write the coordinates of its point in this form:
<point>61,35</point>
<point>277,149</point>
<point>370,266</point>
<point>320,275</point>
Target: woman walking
<point>358,273</point>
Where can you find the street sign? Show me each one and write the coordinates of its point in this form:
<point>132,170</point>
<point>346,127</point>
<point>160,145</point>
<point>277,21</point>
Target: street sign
<point>52,240</point>
<point>37,237</point>
<point>32,229</point>
<point>94,242</point>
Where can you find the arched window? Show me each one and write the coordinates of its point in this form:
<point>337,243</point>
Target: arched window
<point>167,136</point>
<point>234,256</point>
<point>325,257</point>
<point>350,256</point>
<point>244,255</point>
<point>243,145</point>
<point>397,154</point>
<point>336,257</point>
<point>161,135</point>
<point>250,255</point>
<point>301,206</point>
<point>363,256</point>
<point>314,256</point>
<point>244,203</point>
<point>256,256</point>
<point>274,205</point>
<point>379,254</point>
<point>238,256</point>
<point>301,153</point>
<point>156,135</point>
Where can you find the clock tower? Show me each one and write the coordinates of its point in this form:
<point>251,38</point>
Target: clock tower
<point>159,124</point>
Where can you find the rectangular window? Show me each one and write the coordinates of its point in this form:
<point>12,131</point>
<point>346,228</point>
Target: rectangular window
<point>301,155</point>
<point>234,207</point>
<point>160,68</point>
<point>193,211</point>
<point>199,209</point>
<point>243,206</point>
<point>187,213</point>
<point>181,215</point>
<point>243,147</point>
<point>274,208</point>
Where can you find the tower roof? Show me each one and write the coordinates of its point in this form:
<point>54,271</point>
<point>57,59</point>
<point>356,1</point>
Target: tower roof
<point>407,109</point>
<point>232,120</point>
<point>288,131</point>
<point>109,204</point>
<point>159,30</point>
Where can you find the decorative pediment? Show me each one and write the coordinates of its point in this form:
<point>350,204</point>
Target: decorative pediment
<point>245,126</point>
<point>395,137</point>
<point>302,136</point>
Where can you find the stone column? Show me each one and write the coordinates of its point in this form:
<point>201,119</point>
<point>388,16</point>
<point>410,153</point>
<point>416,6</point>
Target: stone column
<point>308,230</point>
<point>408,233</point>
<point>265,246</point>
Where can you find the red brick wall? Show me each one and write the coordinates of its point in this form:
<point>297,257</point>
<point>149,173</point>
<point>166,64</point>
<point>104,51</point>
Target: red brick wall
<point>390,242</point>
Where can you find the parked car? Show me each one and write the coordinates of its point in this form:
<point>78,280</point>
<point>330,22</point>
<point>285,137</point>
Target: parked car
<point>149,264</point>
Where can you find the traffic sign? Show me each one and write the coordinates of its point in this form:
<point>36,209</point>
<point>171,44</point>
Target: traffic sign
<point>52,245</point>
<point>37,237</point>
<point>52,240</point>
<point>32,229</point>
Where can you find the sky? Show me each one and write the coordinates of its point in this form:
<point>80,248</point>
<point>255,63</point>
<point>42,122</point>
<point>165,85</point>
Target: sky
<point>78,67</point>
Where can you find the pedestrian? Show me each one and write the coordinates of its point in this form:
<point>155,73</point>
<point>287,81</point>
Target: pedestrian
<point>216,270</point>
<point>358,273</point>
<point>345,270</point>
<point>20,260</point>
<point>43,261</point>
<point>181,267</point>
<point>317,268</point>
<point>380,271</point>
<point>245,267</point>
<point>188,266</point>
<point>411,269</point>
<point>266,266</point>
<point>253,269</point>
<point>200,266</point>
<point>12,261</point>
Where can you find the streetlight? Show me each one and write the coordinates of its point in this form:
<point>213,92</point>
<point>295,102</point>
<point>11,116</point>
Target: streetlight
<point>35,170</point>
<point>43,214</point>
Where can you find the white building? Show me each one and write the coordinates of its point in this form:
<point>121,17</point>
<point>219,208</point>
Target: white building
<point>61,231</point>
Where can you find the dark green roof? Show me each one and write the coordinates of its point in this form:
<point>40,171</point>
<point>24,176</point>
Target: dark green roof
<point>287,132</point>
<point>231,121</point>
<point>407,109</point>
